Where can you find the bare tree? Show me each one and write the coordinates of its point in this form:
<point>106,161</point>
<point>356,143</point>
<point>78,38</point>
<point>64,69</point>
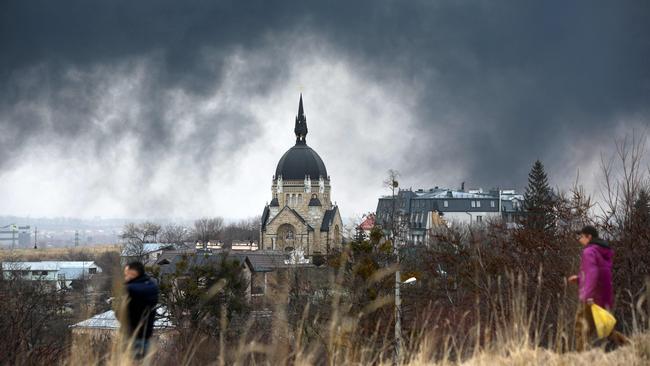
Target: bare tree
<point>624,212</point>
<point>206,229</point>
<point>174,234</point>
<point>244,230</point>
<point>136,235</point>
<point>32,320</point>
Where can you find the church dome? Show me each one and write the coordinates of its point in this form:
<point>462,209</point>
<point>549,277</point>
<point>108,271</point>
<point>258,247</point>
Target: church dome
<point>299,161</point>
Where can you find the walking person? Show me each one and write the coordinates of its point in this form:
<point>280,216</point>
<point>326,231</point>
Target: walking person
<point>142,294</point>
<point>594,286</point>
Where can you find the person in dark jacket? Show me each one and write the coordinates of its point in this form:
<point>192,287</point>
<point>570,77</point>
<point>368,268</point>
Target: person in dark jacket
<point>142,294</point>
<point>594,286</point>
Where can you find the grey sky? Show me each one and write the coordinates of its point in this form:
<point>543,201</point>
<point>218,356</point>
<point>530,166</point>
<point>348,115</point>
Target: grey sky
<point>182,109</point>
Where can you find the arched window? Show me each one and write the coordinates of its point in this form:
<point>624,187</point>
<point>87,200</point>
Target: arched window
<point>286,236</point>
<point>337,235</point>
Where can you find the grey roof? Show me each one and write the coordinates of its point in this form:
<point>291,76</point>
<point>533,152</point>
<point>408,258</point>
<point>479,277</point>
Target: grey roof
<point>274,202</point>
<point>269,260</point>
<point>48,265</point>
<point>198,259</point>
<point>314,201</point>
<point>107,320</point>
<point>72,270</point>
<point>265,217</point>
<point>328,218</point>
<point>300,161</point>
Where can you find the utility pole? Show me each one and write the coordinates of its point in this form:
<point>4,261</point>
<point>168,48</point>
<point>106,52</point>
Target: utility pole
<point>13,236</point>
<point>398,300</point>
<point>76,238</point>
<point>35,237</point>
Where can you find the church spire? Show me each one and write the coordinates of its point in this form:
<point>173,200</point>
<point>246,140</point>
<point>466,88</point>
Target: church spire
<point>301,125</point>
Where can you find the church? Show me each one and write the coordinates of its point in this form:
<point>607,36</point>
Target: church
<point>301,214</point>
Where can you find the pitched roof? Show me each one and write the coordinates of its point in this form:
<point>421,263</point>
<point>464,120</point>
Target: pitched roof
<point>328,218</point>
<point>107,320</point>
<point>368,223</point>
<point>48,265</point>
<point>302,220</point>
<point>199,259</point>
<point>269,260</point>
<point>265,217</point>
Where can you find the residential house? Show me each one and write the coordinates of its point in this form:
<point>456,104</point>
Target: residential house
<point>145,253</point>
<point>450,207</point>
<point>59,273</point>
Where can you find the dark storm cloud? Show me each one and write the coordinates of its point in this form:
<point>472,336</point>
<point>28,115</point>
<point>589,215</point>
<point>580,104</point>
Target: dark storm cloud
<point>503,82</point>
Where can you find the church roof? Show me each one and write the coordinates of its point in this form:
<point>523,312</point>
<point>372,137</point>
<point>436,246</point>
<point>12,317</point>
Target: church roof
<point>300,160</point>
<point>265,217</point>
<point>328,218</point>
<point>314,201</point>
<point>274,202</point>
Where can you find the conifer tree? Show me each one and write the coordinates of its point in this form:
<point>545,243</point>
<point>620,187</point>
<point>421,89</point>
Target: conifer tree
<point>538,199</point>
<point>640,220</point>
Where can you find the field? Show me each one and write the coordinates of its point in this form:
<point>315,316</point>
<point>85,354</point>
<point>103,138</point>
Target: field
<point>72,253</point>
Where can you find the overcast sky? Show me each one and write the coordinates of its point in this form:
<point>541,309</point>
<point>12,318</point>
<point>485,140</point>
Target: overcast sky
<point>182,109</point>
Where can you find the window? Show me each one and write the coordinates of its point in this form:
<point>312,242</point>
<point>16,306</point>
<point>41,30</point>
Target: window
<point>39,273</point>
<point>445,203</point>
<point>92,270</point>
<point>479,218</point>
<point>492,204</point>
<point>473,204</point>
<point>478,203</point>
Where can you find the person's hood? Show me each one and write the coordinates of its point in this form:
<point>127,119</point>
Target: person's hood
<point>600,242</point>
<point>603,249</point>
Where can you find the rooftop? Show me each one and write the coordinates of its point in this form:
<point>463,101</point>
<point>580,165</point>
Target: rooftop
<point>107,320</point>
<point>47,265</point>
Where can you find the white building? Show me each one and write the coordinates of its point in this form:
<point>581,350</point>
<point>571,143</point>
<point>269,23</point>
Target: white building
<point>60,273</point>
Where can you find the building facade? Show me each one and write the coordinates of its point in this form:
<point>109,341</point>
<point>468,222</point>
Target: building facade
<point>301,214</point>
<point>424,210</point>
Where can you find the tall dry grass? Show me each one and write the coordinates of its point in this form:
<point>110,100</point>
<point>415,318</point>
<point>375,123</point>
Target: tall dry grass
<point>514,334</point>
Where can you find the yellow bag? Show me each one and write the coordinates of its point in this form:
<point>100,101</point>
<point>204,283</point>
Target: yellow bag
<point>603,320</point>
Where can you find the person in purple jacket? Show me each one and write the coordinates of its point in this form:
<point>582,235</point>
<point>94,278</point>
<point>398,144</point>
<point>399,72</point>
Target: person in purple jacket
<point>594,286</point>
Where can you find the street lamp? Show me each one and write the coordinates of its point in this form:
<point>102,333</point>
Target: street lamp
<point>409,280</point>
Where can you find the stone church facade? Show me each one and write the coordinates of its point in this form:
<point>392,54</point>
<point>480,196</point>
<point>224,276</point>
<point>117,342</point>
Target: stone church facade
<point>301,214</point>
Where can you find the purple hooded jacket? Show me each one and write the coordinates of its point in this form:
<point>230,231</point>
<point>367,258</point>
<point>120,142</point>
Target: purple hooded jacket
<point>595,277</point>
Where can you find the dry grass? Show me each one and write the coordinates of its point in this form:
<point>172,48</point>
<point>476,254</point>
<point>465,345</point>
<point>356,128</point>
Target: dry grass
<point>512,338</point>
<point>43,254</point>
<point>638,353</point>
